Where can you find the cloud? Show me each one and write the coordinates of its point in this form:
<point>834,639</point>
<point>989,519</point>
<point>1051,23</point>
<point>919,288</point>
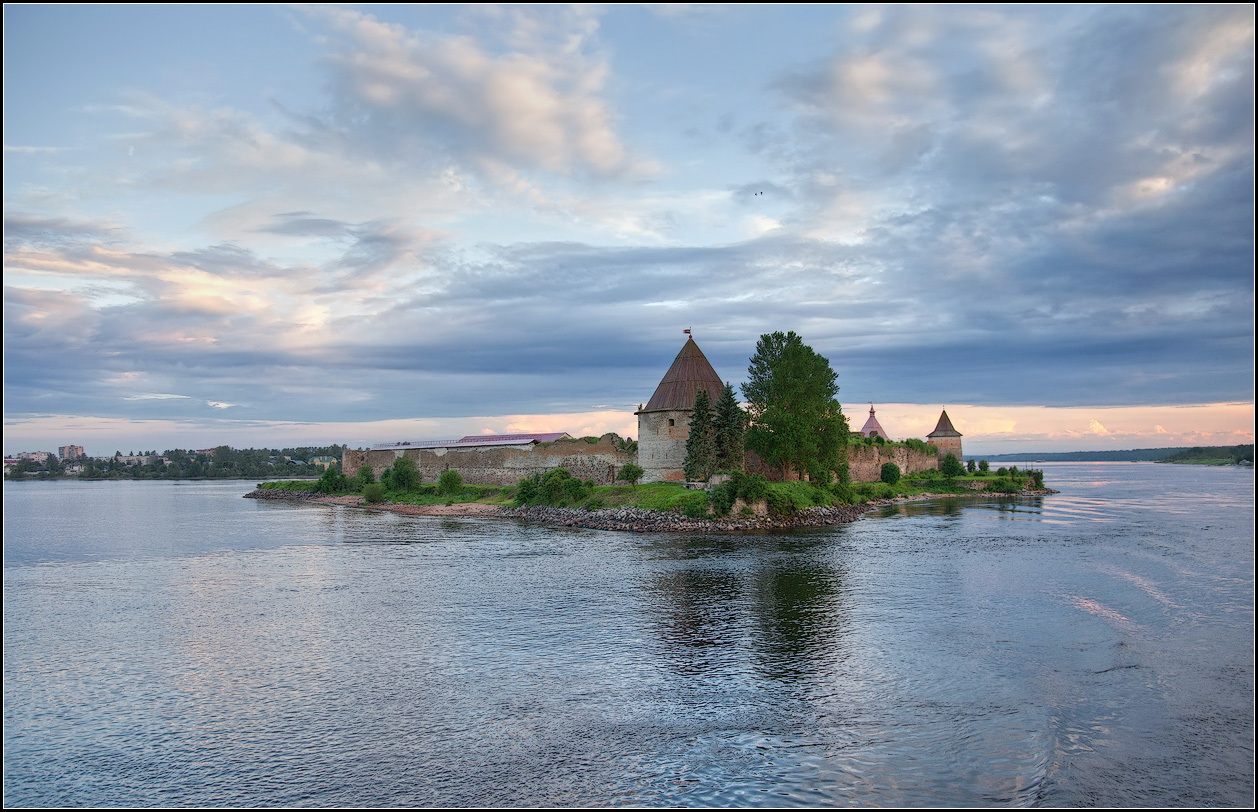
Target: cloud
<point>534,102</point>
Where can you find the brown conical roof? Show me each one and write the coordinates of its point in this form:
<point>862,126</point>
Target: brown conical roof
<point>944,427</point>
<point>690,370</point>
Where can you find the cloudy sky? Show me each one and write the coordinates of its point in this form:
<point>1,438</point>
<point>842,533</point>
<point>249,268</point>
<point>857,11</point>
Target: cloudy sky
<point>271,226</point>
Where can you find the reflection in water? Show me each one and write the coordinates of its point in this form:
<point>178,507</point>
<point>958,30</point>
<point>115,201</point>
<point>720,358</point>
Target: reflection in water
<point>777,604</point>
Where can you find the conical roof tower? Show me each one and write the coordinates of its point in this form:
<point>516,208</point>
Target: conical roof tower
<point>943,428</point>
<point>872,428</point>
<point>664,422</point>
<point>945,437</point>
<point>690,371</point>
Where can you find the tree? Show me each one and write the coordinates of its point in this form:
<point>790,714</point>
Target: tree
<point>890,473</point>
<point>450,482</point>
<point>795,422</point>
<point>405,475</point>
<point>983,466</point>
<point>730,424</point>
<point>701,444</point>
<point>951,467</point>
<point>970,466</point>
<point>631,473</point>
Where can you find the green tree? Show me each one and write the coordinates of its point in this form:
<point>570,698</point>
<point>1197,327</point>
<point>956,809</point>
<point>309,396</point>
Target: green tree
<point>890,473</point>
<point>631,473</point>
<point>701,444</point>
<point>795,421</point>
<point>730,424</point>
<point>450,482</point>
<point>970,466</point>
<point>983,466</point>
<point>951,467</point>
<point>405,475</point>
<point>364,477</point>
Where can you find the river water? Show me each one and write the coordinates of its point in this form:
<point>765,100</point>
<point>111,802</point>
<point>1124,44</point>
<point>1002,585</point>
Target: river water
<point>172,644</point>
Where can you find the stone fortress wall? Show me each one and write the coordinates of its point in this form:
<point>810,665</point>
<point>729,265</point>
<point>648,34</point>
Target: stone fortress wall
<point>865,461</point>
<point>503,465</point>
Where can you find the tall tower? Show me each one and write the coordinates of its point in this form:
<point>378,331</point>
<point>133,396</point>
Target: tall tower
<point>945,438</point>
<point>664,422</point>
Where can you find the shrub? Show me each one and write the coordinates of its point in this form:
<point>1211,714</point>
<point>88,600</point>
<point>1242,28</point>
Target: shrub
<point>779,504</point>
<point>723,497</point>
<point>970,466</point>
<point>450,482</point>
<point>364,477</point>
<point>883,491</point>
<point>1002,471</point>
<point>405,475</point>
<point>631,473</point>
<point>983,466</point>
<point>951,467</point>
<point>332,481</point>
<point>555,488</point>
<point>752,487</point>
<point>890,473</point>
<point>374,493</point>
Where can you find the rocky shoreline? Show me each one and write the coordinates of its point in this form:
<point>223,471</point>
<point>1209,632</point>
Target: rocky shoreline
<point>626,519</point>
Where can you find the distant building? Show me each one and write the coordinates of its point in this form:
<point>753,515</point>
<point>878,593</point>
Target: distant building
<point>664,422</point>
<point>872,427</point>
<point>324,460</point>
<point>945,437</point>
<point>70,452</point>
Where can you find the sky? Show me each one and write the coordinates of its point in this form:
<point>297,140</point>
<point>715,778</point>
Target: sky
<point>271,226</point>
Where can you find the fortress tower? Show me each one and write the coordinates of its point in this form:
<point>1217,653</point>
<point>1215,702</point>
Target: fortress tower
<point>872,428</point>
<point>945,438</point>
<point>664,422</point>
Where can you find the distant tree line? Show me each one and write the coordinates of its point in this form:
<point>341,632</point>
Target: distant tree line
<point>224,463</point>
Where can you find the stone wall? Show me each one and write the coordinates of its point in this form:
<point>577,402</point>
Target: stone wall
<point>865,461</point>
<point>503,465</point>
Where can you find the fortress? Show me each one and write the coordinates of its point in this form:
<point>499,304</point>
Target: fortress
<point>663,428</point>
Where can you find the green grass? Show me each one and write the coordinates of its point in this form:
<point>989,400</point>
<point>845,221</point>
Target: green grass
<point>290,485</point>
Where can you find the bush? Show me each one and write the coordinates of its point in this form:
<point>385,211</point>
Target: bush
<point>752,488</point>
<point>631,473</point>
<point>779,504</point>
<point>405,475</point>
<point>556,488</point>
<point>951,467</point>
<point>970,466</point>
<point>722,498</point>
<point>450,482</point>
<point>364,477</point>
<point>890,473</point>
<point>374,493</point>
<point>332,481</point>
<point>883,491</point>
<point>1002,471</point>
<point>983,466</point>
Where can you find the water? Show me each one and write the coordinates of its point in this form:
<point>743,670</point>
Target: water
<point>171,644</point>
